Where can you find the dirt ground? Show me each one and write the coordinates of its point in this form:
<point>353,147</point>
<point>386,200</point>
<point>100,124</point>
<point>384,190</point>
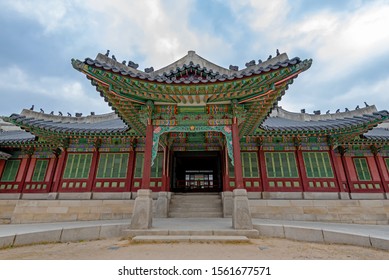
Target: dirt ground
<point>262,248</point>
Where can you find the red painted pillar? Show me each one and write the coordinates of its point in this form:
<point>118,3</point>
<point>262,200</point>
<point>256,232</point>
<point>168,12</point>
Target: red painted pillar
<point>225,171</point>
<point>262,168</point>
<point>2,165</point>
<point>52,173</point>
<point>301,169</point>
<point>59,171</point>
<point>380,172</point>
<point>346,171</point>
<point>26,168</point>
<point>130,170</point>
<point>237,158</point>
<point>337,170</point>
<point>148,153</point>
<point>93,170</point>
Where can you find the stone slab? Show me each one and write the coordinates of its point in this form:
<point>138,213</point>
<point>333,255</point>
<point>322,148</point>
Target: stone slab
<point>142,212</point>
<point>253,233</point>
<point>367,195</point>
<point>379,243</point>
<point>111,195</point>
<point>137,232</point>
<point>189,238</point>
<point>81,195</point>
<point>282,195</point>
<point>241,215</point>
<point>79,234</point>
<point>38,196</point>
<point>190,232</point>
<point>109,231</point>
<point>346,238</point>
<point>270,230</point>
<point>38,237</point>
<point>6,241</point>
<point>303,234</point>
<point>10,196</point>
<point>321,195</point>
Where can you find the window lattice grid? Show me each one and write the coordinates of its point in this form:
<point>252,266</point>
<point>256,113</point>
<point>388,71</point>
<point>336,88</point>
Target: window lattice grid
<point>362,169</point>
<point>112,165</point>
<point>318,165</point>
<point>157,168</point>
<point>78,166</point>
<point>139,160</point>
<point>10,170</point>
<point>40,170</point>
<point>250,165</point>
<point>281,165</point>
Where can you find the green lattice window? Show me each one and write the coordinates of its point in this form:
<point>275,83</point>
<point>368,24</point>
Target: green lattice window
<point>10,170</point>
<point>40,170</point>
<point>156,169</point>
<point>318,165</point>
<point>250,165</point>
<point>139,160</point>
<point>78,166</point>
<point>362,169</point>
<point>281,165</point>
<point>112,165</point>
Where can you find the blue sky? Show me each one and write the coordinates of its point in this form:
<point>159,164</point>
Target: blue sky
<point>347,41</point>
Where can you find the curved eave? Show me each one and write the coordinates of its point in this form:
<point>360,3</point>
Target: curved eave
<point>139,88</point>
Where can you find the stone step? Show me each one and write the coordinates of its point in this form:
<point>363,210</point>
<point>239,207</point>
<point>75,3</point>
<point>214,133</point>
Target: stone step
<point>195,215</point>
<point>251,233</point>
<point>195,209</point>
<point>190,238</point>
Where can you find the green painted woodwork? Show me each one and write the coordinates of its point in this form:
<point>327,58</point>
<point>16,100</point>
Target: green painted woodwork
<point>250,165</point>
<point>387,163</point>
<point>362,169</point>
<point>281,165</point>
<point>139,161</point>
<point>156,169</point>
<point>159,130</point>
<point>112,165</point>
<point>318,165</point>
<point>40,170</point>
<point>231,169</point>
<point>78,166</point>
<point>10,170</point>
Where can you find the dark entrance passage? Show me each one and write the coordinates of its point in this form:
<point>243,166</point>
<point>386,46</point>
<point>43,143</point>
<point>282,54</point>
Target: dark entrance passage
<point>196,172</point>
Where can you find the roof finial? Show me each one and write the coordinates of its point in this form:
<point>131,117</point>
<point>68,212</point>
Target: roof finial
<point>32,108</point>
<point>367,105</point>
<point>277,52</point>
<point>107,53</point>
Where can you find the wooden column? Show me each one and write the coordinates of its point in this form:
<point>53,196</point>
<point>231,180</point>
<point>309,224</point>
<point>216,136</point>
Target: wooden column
<point>345,168</point>
<point>59,171</point>
<point>130,170</point>
<point>147,158</point>
<point>301,169</point>
<point>165,168</point>
<point>237,158</point>
<point>262,170</point>
<point>336,169</point>
<point>52,173</point>
<point>93,169</point>
<point>377,161</point>
<point>25,171</point>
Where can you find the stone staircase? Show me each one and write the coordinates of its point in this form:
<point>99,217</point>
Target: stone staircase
<point>196,205</point>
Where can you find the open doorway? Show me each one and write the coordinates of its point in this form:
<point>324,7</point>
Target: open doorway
<point>196,172</point>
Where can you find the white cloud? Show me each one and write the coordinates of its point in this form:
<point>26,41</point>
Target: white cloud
<point>49,93</point>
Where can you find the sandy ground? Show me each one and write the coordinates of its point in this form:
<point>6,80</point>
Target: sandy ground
<point>262,248</point>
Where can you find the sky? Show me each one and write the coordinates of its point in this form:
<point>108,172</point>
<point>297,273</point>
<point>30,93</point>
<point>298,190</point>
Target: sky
<point>347,40</point>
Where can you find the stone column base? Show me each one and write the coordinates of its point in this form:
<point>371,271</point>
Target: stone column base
<point>143,210</point>
<point>162,205</point>
<point>241,216</point>
<point>227,204</point>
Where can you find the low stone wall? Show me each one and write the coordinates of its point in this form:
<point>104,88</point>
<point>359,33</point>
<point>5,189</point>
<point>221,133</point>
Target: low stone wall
<point>34,211</point>
<point>345,211</point>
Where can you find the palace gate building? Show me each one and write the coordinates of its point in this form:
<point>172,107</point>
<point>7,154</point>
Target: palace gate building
<point>195,127</point>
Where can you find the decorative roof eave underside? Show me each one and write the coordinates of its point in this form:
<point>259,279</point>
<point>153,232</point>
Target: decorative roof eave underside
<point>259,87</point>
<point>343,130</point>
<point>4,155</point>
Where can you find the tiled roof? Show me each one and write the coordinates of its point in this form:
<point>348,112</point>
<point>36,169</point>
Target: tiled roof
<point>284,124</point>
<point>108,123</point>
<point>16,137</point>
<point>212,72</point>
<point>378,133</point>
